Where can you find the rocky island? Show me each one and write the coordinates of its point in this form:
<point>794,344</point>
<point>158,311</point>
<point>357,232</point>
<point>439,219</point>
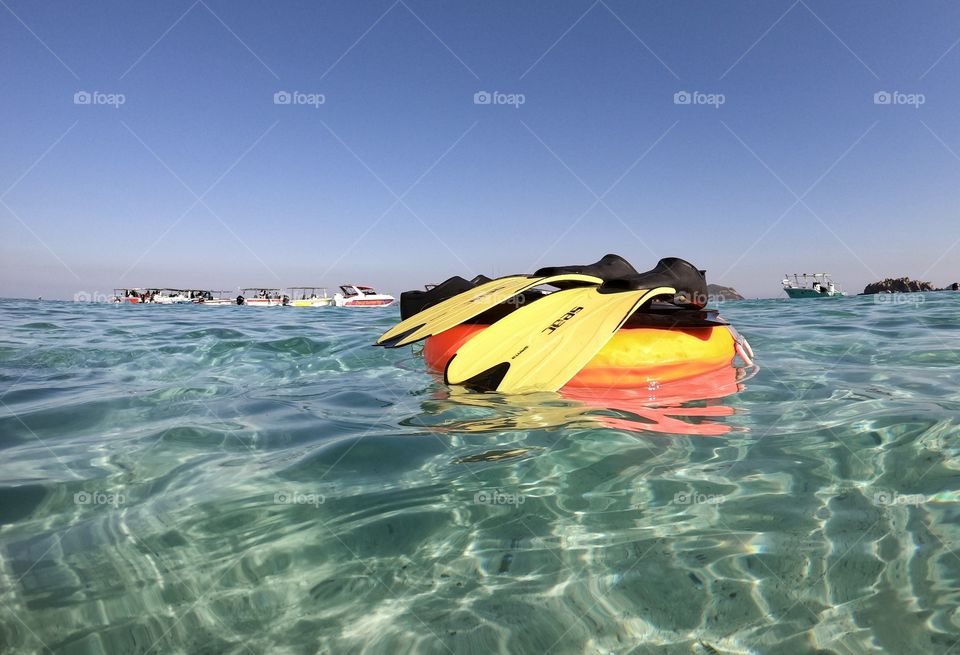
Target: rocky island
<point>904,285</point>
<point>718,293</point>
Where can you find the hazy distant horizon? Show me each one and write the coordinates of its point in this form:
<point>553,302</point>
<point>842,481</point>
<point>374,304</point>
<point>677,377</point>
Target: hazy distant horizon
<point>101,294</point>
<point>216,144</point>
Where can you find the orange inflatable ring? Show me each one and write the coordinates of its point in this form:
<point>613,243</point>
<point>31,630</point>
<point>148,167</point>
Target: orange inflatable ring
<point>633,358</point>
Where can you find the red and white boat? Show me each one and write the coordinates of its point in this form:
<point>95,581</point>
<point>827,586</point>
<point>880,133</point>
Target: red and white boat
<point>355,295</point>
<point>133,296</point>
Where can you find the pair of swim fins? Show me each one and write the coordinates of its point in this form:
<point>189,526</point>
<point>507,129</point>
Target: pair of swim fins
<point>543,344</point>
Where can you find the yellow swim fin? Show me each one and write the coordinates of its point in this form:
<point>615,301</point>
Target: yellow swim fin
<point>541,346</point>
<point>466,305</point>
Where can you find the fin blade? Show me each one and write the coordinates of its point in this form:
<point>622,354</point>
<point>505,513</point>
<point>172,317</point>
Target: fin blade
<point>548,342</point>
<point>406,328</point>
<point>468,304</point>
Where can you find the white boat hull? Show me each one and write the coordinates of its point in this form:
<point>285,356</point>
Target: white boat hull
<point>366,301</point>
<point>361,296</point>
<point>263,302</point>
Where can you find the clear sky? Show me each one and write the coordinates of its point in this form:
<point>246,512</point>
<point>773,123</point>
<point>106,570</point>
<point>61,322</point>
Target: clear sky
<point>142,144</point>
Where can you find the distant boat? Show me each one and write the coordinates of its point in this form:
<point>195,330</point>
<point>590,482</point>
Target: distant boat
<point>355,295</point>
<point>133,296</point>
<point>154,295</point>
<point>309,297</point>
<point>811,285</point>
<point>205,297</point>
<point>172,297</point>
<point>261,297</point>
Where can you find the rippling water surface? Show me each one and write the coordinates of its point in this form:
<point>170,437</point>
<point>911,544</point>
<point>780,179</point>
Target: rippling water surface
<point>243,480</point>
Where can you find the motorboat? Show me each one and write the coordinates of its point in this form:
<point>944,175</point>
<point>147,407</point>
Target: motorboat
<point>356,295</point>
<point>171,297</point>
<point>811,285</point>
<point>207,298</point>
<point>310,297</point>
<point>134,296</point>
<point>152,295</point>
<point>262,297</point>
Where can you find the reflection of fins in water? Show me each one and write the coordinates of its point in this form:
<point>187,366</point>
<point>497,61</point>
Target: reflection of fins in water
<point>505,563</point>
<point>673,408</point>
<point>503,413</point>
<point>682,407</point>
<point>493,456</point>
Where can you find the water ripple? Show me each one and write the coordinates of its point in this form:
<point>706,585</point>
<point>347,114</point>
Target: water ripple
<point>190,479</point>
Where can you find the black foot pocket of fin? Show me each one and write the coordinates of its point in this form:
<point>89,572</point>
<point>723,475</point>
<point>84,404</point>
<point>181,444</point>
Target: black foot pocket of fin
<point>393,341</point>
<point>687,279</point>
<point>414,302</point>
<point>488,380</point>
<point>609,267</point>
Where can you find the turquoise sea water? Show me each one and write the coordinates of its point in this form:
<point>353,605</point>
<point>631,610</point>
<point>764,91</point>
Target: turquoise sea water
<point>249,480</point>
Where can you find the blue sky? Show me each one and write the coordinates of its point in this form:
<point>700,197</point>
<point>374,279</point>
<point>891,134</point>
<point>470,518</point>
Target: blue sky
<point>784,161</point>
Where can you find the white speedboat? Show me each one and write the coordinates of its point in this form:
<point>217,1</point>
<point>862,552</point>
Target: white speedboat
<point>262,297</point>
<point>355,295</point>
<point>309,297</point>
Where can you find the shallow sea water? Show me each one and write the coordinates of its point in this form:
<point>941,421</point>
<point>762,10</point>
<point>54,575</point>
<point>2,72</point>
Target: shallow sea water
<point>253,480</point>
